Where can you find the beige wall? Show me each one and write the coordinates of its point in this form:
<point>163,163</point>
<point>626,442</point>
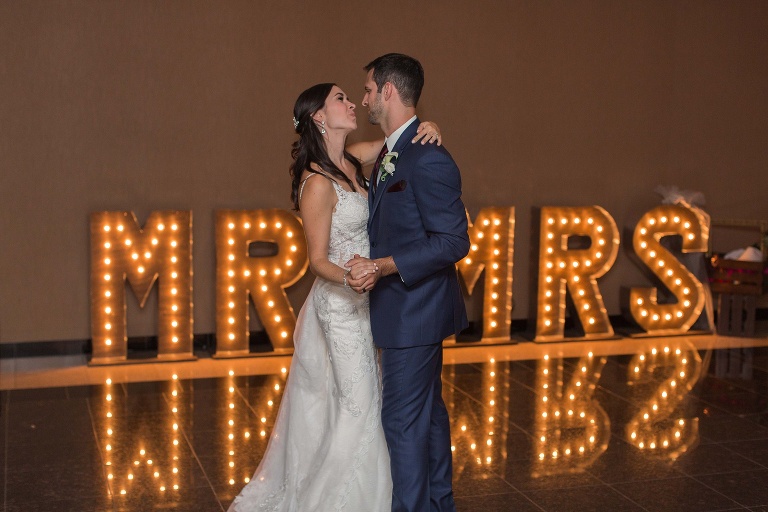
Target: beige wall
<point>138,105</point>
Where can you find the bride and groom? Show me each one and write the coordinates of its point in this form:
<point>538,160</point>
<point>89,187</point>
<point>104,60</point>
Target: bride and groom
<point>361,429</point>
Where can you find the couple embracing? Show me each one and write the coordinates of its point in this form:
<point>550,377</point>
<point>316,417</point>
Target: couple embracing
<point>361,429</point>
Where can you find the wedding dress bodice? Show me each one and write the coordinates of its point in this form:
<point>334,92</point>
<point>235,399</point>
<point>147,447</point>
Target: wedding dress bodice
<point>349,227</point>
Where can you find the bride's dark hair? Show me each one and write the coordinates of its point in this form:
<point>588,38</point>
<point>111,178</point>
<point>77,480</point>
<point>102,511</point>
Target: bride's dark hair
<point>310,147</point>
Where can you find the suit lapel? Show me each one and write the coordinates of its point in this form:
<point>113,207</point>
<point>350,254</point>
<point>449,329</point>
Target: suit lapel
<point>402,145</point>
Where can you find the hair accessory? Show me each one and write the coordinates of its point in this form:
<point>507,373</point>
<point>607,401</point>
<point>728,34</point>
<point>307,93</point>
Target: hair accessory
<point>295,123</point>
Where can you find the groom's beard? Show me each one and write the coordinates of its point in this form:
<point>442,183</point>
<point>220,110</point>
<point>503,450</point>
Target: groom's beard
<point>374,111</point>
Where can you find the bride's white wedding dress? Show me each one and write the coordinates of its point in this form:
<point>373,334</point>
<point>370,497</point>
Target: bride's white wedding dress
<point>327,450</point>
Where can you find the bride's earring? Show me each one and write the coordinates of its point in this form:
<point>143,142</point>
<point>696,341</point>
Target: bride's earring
<point>322,127</point>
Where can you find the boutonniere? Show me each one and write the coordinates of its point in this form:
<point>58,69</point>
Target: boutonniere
<point>388,165</point>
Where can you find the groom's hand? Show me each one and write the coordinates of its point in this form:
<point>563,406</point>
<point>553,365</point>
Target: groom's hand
<point>363,273</point>
<point>375,269</point>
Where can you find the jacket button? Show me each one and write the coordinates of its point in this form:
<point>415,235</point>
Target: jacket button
<point>373,244</point>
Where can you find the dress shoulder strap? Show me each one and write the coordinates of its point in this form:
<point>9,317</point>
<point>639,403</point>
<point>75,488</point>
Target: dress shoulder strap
<point>312,173</point>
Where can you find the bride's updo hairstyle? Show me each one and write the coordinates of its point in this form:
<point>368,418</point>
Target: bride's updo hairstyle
<point>310,148</point>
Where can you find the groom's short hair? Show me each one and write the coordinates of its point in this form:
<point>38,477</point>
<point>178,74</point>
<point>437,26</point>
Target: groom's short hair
<point>402,71</point>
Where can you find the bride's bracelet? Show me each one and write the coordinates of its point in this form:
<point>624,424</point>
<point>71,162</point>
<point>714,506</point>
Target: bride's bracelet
<point>344,278</point>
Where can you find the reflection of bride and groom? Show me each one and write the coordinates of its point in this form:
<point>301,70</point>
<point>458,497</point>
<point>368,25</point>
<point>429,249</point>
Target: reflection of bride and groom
<point>361,429</point>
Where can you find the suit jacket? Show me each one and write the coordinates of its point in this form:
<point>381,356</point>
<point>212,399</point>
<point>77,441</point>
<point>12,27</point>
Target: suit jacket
<point>417,217</point>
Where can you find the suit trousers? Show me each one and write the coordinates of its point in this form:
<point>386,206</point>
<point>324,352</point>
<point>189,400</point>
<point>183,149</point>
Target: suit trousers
<point>417,429</point>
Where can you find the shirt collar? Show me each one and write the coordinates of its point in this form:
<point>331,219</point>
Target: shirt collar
<point>392,139</point>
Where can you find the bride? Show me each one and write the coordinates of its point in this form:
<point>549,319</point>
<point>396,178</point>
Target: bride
<point>327,450</point>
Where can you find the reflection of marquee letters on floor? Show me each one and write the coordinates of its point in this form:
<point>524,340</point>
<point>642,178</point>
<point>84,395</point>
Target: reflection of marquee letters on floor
<point>144,454</point>
<point>121,252</point>
<point>238,432</point>
<point>572,429</point>
<point>142,457</point>
<point>551,396</point>
<point>661,377</point>
<point>479,436</point>
<point>189,434</point>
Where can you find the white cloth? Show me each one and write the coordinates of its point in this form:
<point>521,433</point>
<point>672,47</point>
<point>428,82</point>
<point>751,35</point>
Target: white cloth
<point>747,254</point>
<point>327,450</point>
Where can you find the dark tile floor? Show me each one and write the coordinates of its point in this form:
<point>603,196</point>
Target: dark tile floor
<point>675,430</point>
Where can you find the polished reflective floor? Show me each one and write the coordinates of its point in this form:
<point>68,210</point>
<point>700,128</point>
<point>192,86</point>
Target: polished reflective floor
<point>664,424</point>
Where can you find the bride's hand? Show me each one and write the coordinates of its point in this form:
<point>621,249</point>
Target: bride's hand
<point>362,274</point>
<point>428,132</point>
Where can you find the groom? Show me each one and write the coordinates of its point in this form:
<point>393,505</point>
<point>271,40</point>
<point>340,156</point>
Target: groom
<point>417,227</point>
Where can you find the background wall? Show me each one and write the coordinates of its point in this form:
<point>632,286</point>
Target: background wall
<point>150,105</point>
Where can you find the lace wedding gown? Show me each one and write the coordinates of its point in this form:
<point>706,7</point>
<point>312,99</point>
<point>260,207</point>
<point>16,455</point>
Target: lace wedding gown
<point>327,450</point>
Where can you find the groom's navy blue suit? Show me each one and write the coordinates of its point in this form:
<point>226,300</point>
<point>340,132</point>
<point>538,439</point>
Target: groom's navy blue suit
<point>416,216</point>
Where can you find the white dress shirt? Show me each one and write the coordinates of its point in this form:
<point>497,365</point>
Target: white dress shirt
<point>392,140</point>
